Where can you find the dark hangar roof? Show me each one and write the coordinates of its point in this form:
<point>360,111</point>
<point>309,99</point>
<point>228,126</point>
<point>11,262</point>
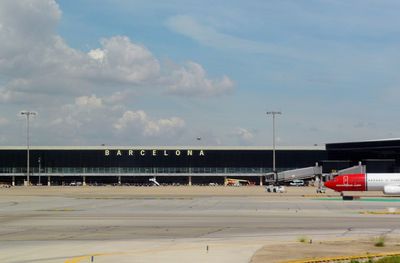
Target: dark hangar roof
<point>365,145</point>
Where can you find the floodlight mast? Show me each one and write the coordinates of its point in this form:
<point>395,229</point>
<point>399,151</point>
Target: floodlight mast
<point>39,161</point>
<point>27,114</point>
<point>273,113</point>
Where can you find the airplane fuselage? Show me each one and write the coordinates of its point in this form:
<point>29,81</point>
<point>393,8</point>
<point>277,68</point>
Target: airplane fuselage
<point>389,183</point>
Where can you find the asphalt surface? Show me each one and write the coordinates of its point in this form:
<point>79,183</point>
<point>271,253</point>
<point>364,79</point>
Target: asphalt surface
<point>41,227</point>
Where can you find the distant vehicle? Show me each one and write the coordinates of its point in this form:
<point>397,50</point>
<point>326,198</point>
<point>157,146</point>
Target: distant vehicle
<point>237,182</point>
<point>154,181</point>
<point>275,189</point>
<point>297,182</point>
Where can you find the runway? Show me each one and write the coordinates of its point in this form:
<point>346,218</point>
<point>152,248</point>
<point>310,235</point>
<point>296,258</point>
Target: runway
<point>44,226</point>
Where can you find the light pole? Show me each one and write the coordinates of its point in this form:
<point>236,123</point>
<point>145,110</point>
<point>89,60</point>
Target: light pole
<point>39,171</point>
<point>273,113</point>
<point>27,114</point>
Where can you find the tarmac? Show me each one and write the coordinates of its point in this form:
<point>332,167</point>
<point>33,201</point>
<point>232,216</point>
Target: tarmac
<point>187,223</point>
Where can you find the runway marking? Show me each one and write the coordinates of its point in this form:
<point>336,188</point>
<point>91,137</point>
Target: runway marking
<point>379,213</point>
<point>58,210</point>
<point>318,195</point>
<point>80,258</point>
<point>344,258</point>
<point>363,199</point>
<point>166,247</point>
<point>136,198</point>
<point>387,199</point>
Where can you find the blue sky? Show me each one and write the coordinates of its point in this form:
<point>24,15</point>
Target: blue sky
<point>166,72</point>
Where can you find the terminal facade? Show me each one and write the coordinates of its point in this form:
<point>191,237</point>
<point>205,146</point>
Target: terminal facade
<point>185,165</point>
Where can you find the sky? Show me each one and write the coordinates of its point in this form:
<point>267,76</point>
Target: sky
<point>133,72</point>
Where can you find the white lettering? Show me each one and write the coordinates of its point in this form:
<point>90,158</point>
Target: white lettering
<point>153,152</point>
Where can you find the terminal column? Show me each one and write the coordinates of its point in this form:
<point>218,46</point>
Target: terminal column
<point>261,180</point>
<point>190,180</point>
<point>13,181</point>
<point>84,180</point>
<point>119,180</point>
<point>48,181</point>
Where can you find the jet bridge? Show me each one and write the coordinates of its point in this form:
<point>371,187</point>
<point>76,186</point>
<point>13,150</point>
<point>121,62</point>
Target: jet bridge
<point>357,169</point>
<point>296,174</point>
<point>311,172</point>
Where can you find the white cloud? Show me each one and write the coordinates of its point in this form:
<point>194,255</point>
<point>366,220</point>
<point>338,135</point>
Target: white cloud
<point>5,95</point>
<point>90,102</point>
<point>97,54</point>
<point>192,80</point>
<point>94,117</point>
<point>37,62</point>
<point>3,121</point>
<point>84,96</point>
<point>209,36</point>
<point>25,22</point>
<point>244,134</point>
<point>73,118</point>
<point>120,96</point>
<point>140,120</point>
<point>121,60</point>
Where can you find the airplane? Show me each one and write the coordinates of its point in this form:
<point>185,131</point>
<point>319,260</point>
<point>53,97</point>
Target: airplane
<point>389,183</point>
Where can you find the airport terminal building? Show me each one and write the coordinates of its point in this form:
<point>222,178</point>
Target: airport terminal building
<point>185,165</point>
